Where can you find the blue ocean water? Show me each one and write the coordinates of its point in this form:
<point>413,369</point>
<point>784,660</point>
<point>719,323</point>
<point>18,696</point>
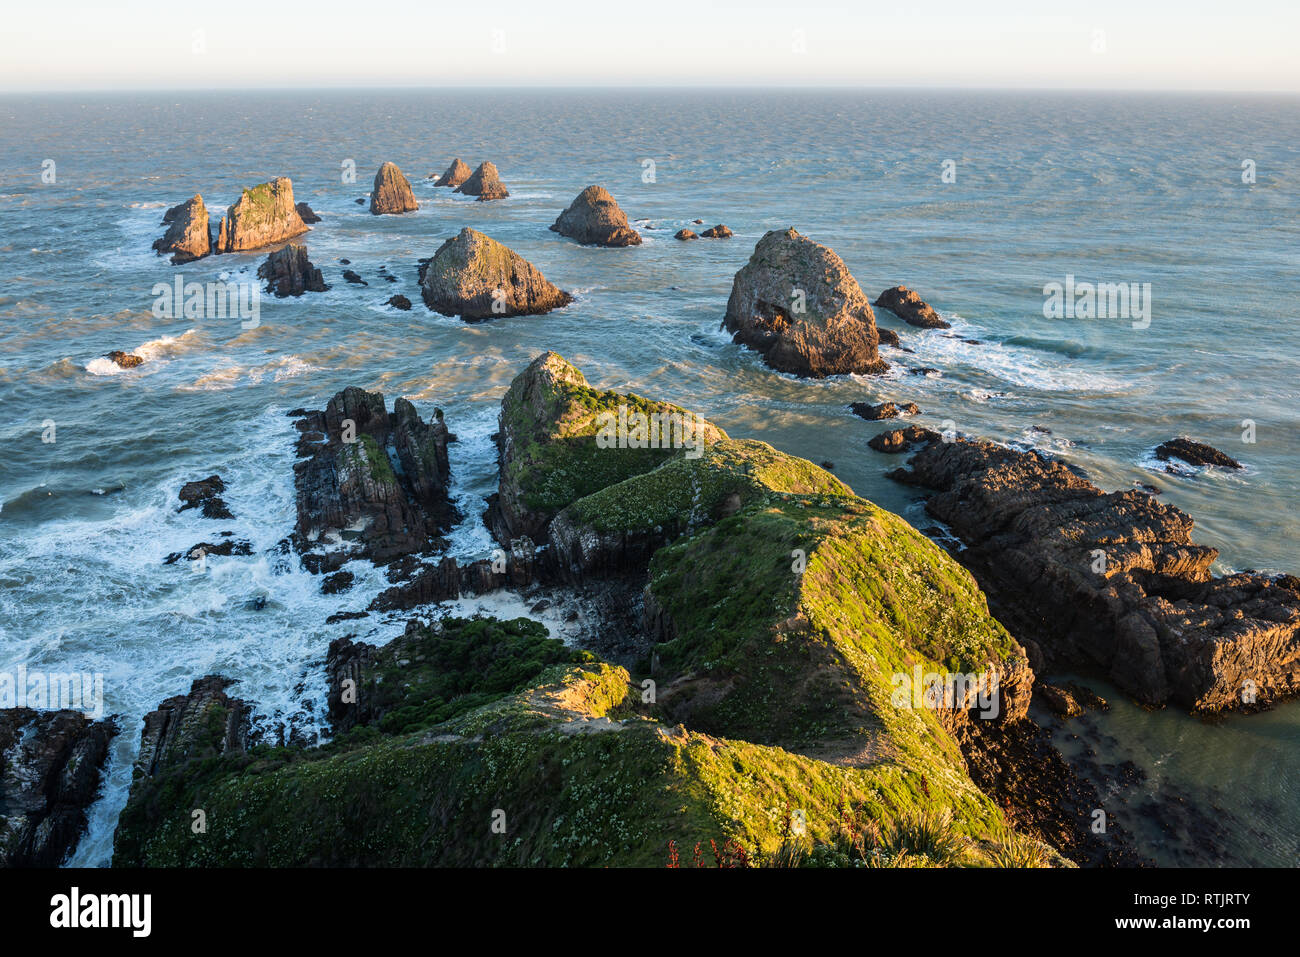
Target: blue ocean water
<point>1109,188</point>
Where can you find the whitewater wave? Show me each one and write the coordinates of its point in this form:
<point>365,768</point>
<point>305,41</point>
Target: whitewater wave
<point>163,347</point>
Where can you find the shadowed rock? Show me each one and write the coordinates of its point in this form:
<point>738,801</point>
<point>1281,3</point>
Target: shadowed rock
<point>796,303</point>
<point>188,237</point>
<point>911,308</point>
<point>307,213</point>
<point>262,216</point>
<point>456,174</point>
<point>594,219</point>
<point>475,277</point>
<point>288,272</point>
<point>391,193</point>
<point>485,183</point>
<point>205,494</point>
<point>399,302</point>
<point>1195,453</point>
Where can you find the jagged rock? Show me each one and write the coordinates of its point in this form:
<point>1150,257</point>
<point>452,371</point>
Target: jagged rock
<point>307,214</point>
<point>399,302</point>
<point>203,723</point>
<point>205,494</point>
<point>202,550</point>
<point>262,216</point>
<point>485,183</point>
<point>336,583</point>
<point>927,371</point>
<point>379,496</point>
<point>188,237</point>
<point>449,580</point>
<point>1112,581</point>
<point>911,308</point>
<point>288,272</point>
<point>475,277</point>
<point>685,234</point>
<point>391,192</point>
<point>124,360</point>
<point>352,277</point>
<point>901,440</point>
<point>796,303</point>
<point>885,410</point>
<point>594,219</point>
<point>1059,700</point>
<point>1195,453</point>
<point>717,232</point>
<point>456,174</point>
<point>51,765</point>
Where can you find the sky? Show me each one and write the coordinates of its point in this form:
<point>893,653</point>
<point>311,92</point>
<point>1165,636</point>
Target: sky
<point>236,44</point>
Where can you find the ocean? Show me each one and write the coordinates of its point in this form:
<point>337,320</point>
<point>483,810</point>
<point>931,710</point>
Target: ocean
<point>1122,188</point>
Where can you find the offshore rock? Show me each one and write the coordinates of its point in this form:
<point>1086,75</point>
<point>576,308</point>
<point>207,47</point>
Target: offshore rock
<point>475,277</point>
<point>594,219</point>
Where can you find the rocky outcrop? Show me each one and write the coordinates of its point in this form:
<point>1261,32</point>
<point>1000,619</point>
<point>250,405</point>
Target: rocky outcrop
<point>475,277</point>
<point>352,277</point>
<point>1195,453</point>
<point>449,579</point>
<point>372,484</point>
<point>685,234</point>
<point>456,174</point>
<point>264,215</point>
<point>796,303</point>
<point>911,308</point>
<point>485,183</point>
<point>188,237</point>
<point>307,214</point>
<point>901,440</point>
<point>392,192</point>
<point>124,360</point>
<point>594,219</point>
<point>1112,581</point>
<point>205,494</point>
<point>399,302</point>
<point>288,272</point>
<point>717,232</point>
<point>51,765</point>
<point>885,410</point>
<point>203,723</point>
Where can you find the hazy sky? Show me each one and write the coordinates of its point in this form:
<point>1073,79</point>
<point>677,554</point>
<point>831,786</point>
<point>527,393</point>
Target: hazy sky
<point>1135,44</point>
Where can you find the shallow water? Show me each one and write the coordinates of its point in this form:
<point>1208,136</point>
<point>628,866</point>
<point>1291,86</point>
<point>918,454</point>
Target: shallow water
<point>1102,187</point>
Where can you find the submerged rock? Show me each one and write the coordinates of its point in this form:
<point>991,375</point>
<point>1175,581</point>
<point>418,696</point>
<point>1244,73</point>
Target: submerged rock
<point>124,360</point>
<point>205,494</point>
<point>51,766</point>
<point>911,308</point>
<point>796,303</point>
<point>485,183</point>
<point>288,272</point>
<point>475,277</point>
<point>456,174</point>
<point>1195,453</point>
<point>717,232</point>
<point>188,237</point>
<point>354,278</point>
<point>262,216</point>
<point>885,410</point>
<point>373,484</point>
<point>392,192</point>
<point>594,219</point>
<point>306,213</point>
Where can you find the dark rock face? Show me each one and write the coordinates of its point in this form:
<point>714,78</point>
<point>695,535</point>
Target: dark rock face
<point>307,214</point>
<point>124,360</point>
<point>262,216</point>
<point>1195,453</point>
<point>288,272</point>
<point>391,193</point>
<point>717,232</point>
<point>594,219</point>
<point>1112,581</point>
<point>475,277</point>
<point>399,302</point>
<point>352,277</point>
<point>449,580</point>
<point>372,484</point>
<point>485,183</point>
<point>911,308</point>
<point>205,494</point>
<point>188,237</point>
<point>685,234</point>
<point>204,723</point>
<point>901,440</point>
<point>456,174</point>
<point>796,303</point>
<point>885,410</point>
<point>224,548</point>
<point>51,765</point>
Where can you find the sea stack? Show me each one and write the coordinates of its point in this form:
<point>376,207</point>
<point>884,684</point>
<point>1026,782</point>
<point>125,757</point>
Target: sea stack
<point>187,237</point>
<point>392,192</point>
<point>456,174</point>
<point>911,308</point>
<point>476,277</point>
<point>262,216</point>
<point>288,272</point>
<point>485,183</point>
<point>594,219</point>
<point>795,303</point>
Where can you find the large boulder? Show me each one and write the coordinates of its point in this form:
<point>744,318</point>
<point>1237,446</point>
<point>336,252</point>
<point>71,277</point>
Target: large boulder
<point>795,303</point>
<point>391,192</point>
<point>456,174</point>
<point>264,215</point>
<point>475,277</point>
<point>485,183</point>
<point>188,236</point>
<point>308,215</point>
<point>1195,453</point>
<point>51,765</point>
<point>594,219</point>
<point>911,308</point>
<point>373,484</point>
<point>288,272</point>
